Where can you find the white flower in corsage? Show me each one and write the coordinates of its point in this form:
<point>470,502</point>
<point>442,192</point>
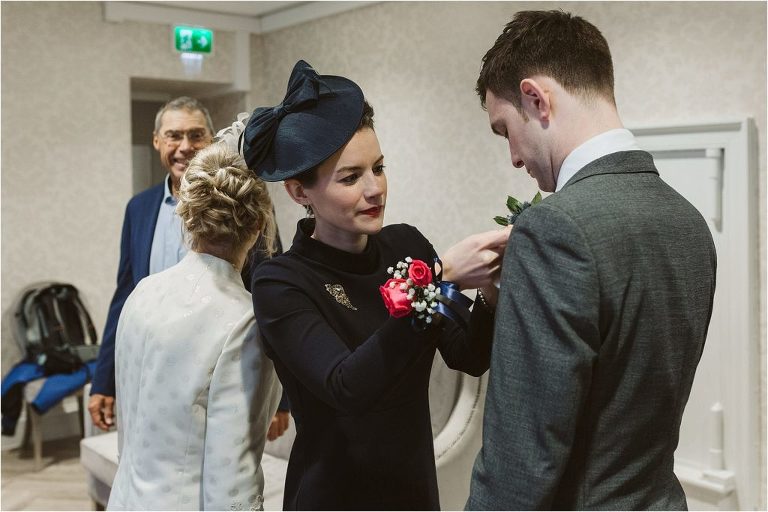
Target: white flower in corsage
<point>515,208</point>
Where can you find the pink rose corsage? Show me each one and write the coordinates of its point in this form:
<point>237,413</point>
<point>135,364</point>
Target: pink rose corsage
<point>410,290</point>
<point>414,290</point>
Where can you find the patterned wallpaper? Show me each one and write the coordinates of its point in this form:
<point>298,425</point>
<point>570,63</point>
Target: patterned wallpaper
<point>66,150</point>
<point>66,73</point>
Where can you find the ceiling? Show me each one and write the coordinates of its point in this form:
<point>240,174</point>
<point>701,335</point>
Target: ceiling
<point>254,9</point>
<point>255,17</point>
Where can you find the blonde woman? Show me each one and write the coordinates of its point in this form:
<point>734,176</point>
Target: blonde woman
<point>195,392</point>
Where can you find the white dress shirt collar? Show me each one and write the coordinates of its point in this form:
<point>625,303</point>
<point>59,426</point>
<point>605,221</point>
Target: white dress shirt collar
<point>612,141</point>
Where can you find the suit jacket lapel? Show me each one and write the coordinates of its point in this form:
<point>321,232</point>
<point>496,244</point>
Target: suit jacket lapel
<point>146,230</point>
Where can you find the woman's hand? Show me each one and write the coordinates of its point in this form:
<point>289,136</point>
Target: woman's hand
<point>475,262</point>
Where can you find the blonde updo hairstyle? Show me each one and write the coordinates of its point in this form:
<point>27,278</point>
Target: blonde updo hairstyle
<point>222,204</point>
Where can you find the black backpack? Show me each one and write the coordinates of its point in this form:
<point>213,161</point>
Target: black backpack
<point>54,329</point>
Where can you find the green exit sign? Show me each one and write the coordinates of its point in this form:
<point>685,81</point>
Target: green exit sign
<point>193,39</point>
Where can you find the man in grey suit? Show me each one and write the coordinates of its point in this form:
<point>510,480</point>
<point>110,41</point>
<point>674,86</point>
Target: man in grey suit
<point>606,289</point>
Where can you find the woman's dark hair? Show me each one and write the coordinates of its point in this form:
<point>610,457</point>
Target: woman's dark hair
<point>309,177</point>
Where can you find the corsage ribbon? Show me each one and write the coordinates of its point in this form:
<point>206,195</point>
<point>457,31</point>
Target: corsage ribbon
<point>453,304</point>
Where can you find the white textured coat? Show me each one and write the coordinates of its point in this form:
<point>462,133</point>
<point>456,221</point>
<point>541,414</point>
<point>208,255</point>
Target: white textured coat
<point>195,392</point>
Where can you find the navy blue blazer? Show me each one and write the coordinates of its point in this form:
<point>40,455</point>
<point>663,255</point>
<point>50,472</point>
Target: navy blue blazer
<point>135,246</point>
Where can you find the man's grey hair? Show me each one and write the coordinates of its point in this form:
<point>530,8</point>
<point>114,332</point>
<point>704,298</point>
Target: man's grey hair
<point>184,103</point>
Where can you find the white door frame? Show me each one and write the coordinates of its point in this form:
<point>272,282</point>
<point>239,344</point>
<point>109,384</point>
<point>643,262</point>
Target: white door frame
<point>733,431</point>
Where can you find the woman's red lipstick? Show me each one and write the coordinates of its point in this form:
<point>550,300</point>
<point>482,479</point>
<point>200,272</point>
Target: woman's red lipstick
<point>373,212</point>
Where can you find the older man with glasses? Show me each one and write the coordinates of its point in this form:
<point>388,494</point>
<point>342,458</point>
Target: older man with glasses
<point>152,241</point>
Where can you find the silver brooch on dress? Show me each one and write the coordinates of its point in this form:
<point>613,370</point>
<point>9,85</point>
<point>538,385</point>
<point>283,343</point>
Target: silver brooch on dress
<point>337,292</point>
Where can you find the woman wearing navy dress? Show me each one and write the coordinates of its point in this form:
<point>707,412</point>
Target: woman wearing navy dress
<point>357,377</point>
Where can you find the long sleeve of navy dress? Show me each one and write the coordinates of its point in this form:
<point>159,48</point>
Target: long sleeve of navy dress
<point>356,378</point>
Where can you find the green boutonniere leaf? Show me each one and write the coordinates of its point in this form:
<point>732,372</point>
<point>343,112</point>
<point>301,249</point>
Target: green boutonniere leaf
<point>515,208</point>
<point>514,205</point>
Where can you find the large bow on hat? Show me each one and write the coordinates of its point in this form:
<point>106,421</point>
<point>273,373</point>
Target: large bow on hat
<point>303,91</point>
<point>317,117</point>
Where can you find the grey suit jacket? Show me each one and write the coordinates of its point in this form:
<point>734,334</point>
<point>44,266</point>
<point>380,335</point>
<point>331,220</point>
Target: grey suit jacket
<point>606,295</point>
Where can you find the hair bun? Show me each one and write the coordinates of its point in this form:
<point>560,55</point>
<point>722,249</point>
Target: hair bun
<point>221,202</point>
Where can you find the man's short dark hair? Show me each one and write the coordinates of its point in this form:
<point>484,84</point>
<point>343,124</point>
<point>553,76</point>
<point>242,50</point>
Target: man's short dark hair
<point>556,44</point>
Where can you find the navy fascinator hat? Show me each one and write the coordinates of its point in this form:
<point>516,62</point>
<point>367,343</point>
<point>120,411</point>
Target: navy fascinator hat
<point>318,115</point>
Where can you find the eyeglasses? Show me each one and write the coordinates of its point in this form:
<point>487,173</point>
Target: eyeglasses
<point>196,136</point>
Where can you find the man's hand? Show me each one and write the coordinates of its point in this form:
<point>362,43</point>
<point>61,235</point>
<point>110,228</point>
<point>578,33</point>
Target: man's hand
<point>475,262</point>
<point>279,425</point>
<point>102,409</point>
